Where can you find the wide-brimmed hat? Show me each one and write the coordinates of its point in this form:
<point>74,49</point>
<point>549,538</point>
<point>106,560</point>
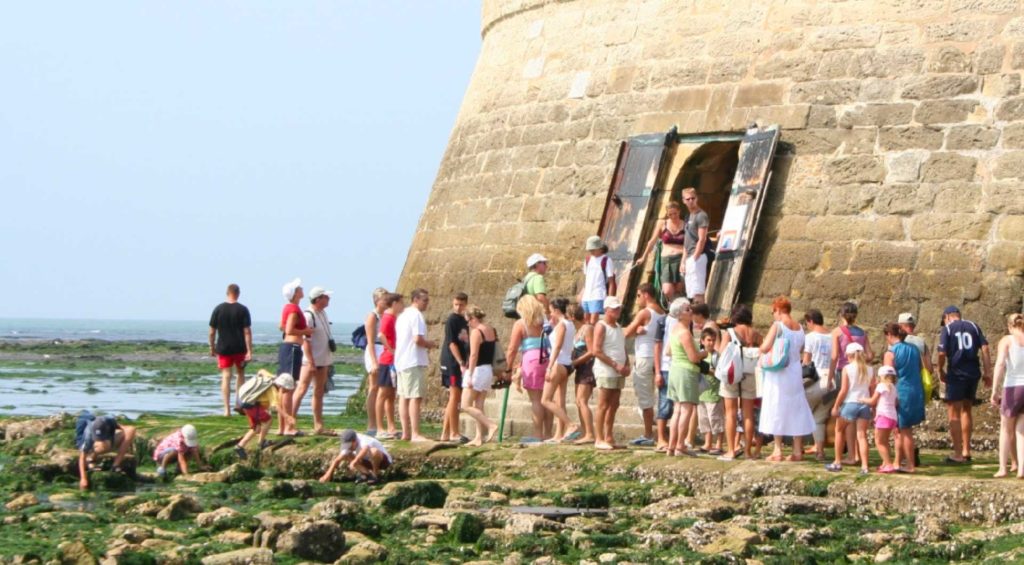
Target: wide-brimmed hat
<point>594,242</point>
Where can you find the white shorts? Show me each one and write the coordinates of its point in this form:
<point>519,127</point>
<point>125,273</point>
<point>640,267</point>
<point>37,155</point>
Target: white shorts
<point>366,355</point>
<point>643,382</point>
<point>480,380</point>
<point>696,277</point>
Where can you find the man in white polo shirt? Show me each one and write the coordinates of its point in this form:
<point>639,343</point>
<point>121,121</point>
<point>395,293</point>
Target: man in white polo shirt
<point>411,345</point>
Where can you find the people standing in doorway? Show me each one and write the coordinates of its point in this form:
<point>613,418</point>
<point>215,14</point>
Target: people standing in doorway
<point>319,359</point>
<point>598,279</point>
<point>817,353</point>
<point>645,327</point>
<point>536,286</point>
<point>1009,397</point>
<point>290,353</point>
<point>963,359</point>
<point>387,377</point>
<point>583,365</point>
<point>411,363</point>
<point>672,252</point>
<point>611,367</point>
<point>454,356</point>
<point>695,261</point>
<point>372,358</point>
<point>231,342</point>
<point>528,339</point>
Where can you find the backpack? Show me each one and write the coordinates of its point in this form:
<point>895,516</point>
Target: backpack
<point>359,338</point>
<point>251,390</point>
<point>778,358</point>
<point>512,296</point>
<point>729,368</point>
<point>83,422</point>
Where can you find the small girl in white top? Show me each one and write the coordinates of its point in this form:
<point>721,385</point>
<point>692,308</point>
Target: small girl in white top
<point>857,381</point>
<point>884,402</point>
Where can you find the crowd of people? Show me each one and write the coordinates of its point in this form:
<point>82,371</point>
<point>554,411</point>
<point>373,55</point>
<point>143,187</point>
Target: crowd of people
<point>703,387</point>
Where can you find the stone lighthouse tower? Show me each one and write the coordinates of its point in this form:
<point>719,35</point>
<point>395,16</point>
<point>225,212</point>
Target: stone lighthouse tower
<point>896,180</point>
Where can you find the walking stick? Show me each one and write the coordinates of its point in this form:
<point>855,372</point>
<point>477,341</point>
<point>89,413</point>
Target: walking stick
<point>501,423</point>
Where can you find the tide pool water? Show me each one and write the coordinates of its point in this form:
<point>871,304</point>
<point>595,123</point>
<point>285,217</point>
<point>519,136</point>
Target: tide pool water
<point>33,391</point>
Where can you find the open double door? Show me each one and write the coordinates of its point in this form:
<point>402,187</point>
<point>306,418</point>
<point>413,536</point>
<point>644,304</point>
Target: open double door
<point>648,170</point>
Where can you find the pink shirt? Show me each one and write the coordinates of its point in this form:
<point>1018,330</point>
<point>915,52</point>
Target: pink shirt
<point>175,441</point>
<point>886,401</point>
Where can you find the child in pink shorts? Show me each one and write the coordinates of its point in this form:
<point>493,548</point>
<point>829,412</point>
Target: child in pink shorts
<point>884,401</point>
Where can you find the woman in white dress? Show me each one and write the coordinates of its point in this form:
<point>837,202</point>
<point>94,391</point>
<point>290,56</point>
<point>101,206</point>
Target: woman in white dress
<point>784,408</point>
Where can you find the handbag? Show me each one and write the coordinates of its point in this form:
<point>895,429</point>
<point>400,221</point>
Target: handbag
<point>330,337</point>
<point>778,358</point>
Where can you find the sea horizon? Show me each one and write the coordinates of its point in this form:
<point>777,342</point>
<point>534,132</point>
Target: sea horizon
<point>186,331</point>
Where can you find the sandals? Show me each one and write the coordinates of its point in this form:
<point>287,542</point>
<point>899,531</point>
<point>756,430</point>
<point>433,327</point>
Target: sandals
<point>834,467</point>
<point>886,469</point>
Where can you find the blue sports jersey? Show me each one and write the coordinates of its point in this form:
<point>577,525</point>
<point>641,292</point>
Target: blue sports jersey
<point>961,341</point>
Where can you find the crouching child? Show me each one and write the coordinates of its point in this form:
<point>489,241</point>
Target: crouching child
<point>366,456</point>
<point>95,436</point>
<point>257,395</point>
<point>178,448</point>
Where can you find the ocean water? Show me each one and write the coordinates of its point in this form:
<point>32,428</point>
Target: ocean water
<point>139,330</point>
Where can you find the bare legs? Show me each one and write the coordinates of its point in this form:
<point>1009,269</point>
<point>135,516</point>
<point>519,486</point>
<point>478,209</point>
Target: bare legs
<point>549,399</point>
<point>306,376</point>
<point>285,418</point>
<point>538,412</point>
<point>386,409</point>
<point>473,406</point>
<point>607,406</point>
<point>679,427</point>
<point>731,405</point>
<point>960,425</point>
<point>225,386</point>
<point>583,393</point>
<point>450,429</point>
<point>317,403</point>
<point>409,412</point>
<point>372,390</point>
<point>906,445</point>
<point>882,444</point>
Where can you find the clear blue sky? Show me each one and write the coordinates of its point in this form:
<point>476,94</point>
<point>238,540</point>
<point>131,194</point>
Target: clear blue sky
<point>152,152</point>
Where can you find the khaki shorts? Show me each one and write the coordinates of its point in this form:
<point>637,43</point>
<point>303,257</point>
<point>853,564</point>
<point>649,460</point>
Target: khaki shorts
<point>412,382</point>
<point>613,383</point>
<point>643,382</point>
<point>747,388</point>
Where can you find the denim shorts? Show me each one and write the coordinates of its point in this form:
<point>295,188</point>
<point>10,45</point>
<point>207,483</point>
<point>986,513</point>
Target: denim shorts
<point>593,306</point>
<point>665,404</point>
<point>855,411</point>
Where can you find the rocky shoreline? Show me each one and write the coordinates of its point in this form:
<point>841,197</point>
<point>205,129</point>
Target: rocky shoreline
<point>447,504</point>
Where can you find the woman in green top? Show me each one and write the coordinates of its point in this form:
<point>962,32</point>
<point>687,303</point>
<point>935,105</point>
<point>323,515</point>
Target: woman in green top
<point>683,377</point>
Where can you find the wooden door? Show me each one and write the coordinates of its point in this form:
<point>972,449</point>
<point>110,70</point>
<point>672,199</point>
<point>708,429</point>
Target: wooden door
<point>746,198</point>
<point>632,200</point>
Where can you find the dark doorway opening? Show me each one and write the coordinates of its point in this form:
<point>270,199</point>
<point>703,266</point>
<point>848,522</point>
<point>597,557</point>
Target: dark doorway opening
<point>710,170</point>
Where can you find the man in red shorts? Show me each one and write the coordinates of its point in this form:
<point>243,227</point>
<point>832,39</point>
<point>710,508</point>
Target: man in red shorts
<point>231,342</point>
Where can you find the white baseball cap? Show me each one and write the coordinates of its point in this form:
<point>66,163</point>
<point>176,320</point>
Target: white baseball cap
<point>289,288</point>
<point>906,318</point>
<point>534,259</point>
<point>188,431</point>
<point>852,348</point>
<point>319,291</point>
<point>612,303</point>
<point>886,370</point>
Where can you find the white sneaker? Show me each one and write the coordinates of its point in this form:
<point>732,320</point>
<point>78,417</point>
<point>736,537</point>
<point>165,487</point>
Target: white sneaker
<point>161,471</point>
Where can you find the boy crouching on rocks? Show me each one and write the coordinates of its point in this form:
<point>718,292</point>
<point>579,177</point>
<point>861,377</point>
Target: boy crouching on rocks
<point>95,436</point>
<point>366,456</point>
<point>257,396</point>
<point>177,448</point>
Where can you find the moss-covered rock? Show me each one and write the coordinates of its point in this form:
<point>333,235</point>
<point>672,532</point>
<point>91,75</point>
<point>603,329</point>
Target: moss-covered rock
<point>466,527</point>
<point>398,496</point>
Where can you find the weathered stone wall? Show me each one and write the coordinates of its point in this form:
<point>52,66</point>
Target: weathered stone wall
<point>898,183</point>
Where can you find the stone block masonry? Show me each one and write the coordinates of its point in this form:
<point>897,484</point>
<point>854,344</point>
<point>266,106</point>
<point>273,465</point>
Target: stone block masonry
<point>899,180</point>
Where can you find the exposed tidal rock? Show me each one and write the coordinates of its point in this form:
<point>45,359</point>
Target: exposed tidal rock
<point>286,489</point>
<point>714,538</point>
<point>249,556</point>
<point>33,428</point>
<point>21,502</point>
<point>322,541</point>
<point>337,510</point>
<point>530,524</point>
<point>364,553</point>
<point>398,496</point>
<point>271,526</point>
<point>219,518</point>
<point>75,553</point>
<point>703,507</point>
<point>784,505</point>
